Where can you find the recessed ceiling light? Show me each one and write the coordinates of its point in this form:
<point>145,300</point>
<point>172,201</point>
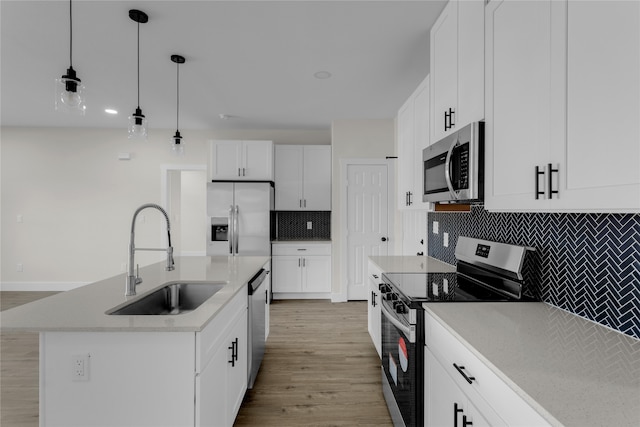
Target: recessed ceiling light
<point>110,111</point>
<point>322,75</point>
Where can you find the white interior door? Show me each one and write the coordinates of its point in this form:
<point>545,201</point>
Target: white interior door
<point>367,223</point>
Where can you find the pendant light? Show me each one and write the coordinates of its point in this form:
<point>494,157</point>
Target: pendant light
<point>176,143</point>
<point>137,121</point>
<point>69,88</point>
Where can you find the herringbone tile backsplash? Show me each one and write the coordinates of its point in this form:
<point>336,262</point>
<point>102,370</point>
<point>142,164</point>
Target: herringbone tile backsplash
<point>589,263</point>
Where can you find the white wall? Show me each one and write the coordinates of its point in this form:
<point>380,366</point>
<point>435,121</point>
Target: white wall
<point>354,139</point>
<point>76,199</point>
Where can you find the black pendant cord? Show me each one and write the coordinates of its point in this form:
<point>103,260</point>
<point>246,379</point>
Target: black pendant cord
<point>138,65</point>
<point>70,36</point>
<point>177,94</point>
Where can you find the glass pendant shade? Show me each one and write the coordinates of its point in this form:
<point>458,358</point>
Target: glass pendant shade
<point>70,93</point>
<point>137,125</point>
<point>177,148</point>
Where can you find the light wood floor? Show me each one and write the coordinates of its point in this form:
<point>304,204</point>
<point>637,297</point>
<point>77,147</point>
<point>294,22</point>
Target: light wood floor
<point>319,369</point>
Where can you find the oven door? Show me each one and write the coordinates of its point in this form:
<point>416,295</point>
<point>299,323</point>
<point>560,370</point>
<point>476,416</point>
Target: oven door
<point>400,360</point>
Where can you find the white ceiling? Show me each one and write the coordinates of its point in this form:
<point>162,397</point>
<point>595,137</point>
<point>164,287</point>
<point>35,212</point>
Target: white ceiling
<point>251,60</point>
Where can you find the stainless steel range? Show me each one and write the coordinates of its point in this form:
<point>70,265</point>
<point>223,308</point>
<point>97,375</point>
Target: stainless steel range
<point>485,271</point>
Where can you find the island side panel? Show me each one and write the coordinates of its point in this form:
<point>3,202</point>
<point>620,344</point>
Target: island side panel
<point>131,378</point>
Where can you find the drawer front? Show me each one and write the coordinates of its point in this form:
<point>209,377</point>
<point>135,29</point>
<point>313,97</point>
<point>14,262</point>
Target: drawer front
<point>212,336</point>
<point>485,383</point>
<point>301,249</point>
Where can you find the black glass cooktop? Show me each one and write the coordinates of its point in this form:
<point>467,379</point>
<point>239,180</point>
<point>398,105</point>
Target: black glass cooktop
<point>434,287</point>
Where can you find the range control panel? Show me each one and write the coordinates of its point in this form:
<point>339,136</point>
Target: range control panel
<point>483,250</point>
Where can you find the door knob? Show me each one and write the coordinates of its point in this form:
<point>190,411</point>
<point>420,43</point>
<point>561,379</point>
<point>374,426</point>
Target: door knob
<point>384,239</point>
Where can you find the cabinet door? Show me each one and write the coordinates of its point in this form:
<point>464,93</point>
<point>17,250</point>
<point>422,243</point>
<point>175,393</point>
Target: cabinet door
<point>288,177</point>
<point>470,62</point>
<point>237,371</point>
<point>405,132</point>
<point>421,140</point>
<point>518,86</point>
<point>211,391</point>
<point>226,159</point>
<point>316,274</point>
<point>442,395</point>
<point>444,66</point>
<point>600,156</point>
<point>257,161</point>
<point>286,274</point>
<point>317,178</point>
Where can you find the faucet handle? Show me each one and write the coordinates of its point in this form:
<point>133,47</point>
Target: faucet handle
<point>138,278</point>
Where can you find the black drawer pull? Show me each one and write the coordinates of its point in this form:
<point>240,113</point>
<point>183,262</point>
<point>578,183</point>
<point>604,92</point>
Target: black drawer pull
<point>466,377</point>
<point>538,173</point>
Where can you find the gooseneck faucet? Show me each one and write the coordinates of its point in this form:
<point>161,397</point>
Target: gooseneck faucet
<point>132,277</point>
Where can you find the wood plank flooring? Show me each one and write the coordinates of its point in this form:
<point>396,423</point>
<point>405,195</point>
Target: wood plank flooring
<point>319,369</point>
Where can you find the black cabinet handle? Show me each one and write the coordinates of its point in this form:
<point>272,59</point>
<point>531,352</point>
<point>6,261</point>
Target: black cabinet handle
<point>410,194</point>
<point>550,180</point>
<point>384,239</point>
<point>455,414</point>
<point>234,352</point>
<point>538,173</point>
<point>461,371</point>
<point>466,423</point>
<point>448,119</point>
<point>420,253</point>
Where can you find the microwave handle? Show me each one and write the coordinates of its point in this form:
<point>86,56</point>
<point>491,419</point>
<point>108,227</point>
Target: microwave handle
<point>447,169</point>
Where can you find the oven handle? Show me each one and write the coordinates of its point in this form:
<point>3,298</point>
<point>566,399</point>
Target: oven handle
<point>447,169</point>
<point>406,330</point>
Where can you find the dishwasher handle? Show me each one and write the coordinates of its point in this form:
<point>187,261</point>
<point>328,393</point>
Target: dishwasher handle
<point>257,280</point>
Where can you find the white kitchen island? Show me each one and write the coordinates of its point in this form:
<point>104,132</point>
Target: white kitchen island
<point>145,370</point>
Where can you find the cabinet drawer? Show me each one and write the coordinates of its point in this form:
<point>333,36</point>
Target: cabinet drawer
<point>301,249</point>
<point>485,383</point>
<point>212,336</point>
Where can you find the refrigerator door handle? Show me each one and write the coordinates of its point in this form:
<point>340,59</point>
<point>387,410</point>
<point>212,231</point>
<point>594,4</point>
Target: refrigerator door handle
<point>236,231</point>
<point>231,231</point>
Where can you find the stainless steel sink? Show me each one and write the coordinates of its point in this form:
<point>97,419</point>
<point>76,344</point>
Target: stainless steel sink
<point>172,298</point>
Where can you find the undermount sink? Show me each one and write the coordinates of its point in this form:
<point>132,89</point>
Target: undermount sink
<point>172,298</point>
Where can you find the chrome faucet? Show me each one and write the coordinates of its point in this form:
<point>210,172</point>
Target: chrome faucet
<point>133,278</point>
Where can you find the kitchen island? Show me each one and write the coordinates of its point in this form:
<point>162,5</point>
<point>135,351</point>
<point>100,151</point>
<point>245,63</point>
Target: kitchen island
<point>184,369</point>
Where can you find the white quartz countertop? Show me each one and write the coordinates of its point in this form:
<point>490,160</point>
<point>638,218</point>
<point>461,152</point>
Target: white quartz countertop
<point>83,309</point>
<point>411,264</point>
<point>574,372</point>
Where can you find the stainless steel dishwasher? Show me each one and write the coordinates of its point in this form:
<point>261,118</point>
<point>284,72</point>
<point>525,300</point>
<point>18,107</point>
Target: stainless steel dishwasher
<point>257,307</point>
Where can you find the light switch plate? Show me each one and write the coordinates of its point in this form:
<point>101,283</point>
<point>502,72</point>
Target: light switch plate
<point>445,237</point>
<point>309,225</point>
<point>435,227</point>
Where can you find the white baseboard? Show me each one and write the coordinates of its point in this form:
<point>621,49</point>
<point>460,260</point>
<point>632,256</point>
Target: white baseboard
<point>301,295</point>
<point>338,297</point>
<point>40,286</point>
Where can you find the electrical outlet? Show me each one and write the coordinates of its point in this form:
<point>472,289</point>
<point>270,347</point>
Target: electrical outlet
<point>445,237</point>
<point>19,268</point>
<point>309,225</point>
<point>19,218</point>
<point>435,227</point>
<point>80,367</point>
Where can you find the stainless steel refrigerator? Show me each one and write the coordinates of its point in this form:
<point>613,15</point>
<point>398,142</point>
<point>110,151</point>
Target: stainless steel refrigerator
<point>240,215</point>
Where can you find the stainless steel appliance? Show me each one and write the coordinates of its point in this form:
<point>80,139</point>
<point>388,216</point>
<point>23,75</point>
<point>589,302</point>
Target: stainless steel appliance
<point>453,168</point>
<point>240,217</point>
<point>485,271</point>
<point>257,307</point>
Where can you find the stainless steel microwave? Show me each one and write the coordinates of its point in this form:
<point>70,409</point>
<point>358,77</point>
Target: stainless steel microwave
<point>453,168</point>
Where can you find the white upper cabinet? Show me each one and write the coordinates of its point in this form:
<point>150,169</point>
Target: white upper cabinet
<point>413,135</point>
<point>563,106</point>
<point>241,160</point>
<point>457,67</point>
<point>303,177</point>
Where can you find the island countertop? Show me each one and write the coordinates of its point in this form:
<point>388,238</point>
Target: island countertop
<point>573,371</point>
<point>84,308</point>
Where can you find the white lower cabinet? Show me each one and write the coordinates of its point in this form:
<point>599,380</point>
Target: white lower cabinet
<point>447,405</point>
<point>147,378</point>
<point>374,312</point>
<point>301,270</point>
<point>222,380</point>
<point>460,388</point>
